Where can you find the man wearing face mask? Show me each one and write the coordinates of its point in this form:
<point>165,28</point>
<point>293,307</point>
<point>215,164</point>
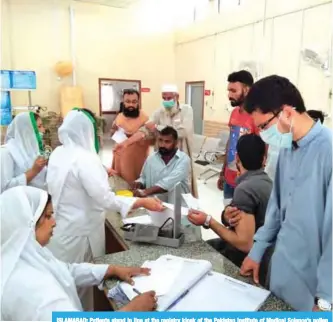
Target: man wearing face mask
<point>240,123</point>
<point>273,151</point>
<point>174,114</point>
<point>164,169</point>
<point>129,163</point>
<point>299,214</point>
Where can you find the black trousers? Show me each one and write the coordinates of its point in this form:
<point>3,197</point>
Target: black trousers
<point>237,257</point>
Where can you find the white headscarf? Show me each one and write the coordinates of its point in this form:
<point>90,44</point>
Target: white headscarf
<point>77,135</point>
<point>20,208</point>
<point>77,130</point>
<point>25,144</point>
<point>22,140</point>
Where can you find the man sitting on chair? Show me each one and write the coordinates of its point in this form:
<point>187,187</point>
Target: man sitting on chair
<point>164,169</point>
<point>251,195</point>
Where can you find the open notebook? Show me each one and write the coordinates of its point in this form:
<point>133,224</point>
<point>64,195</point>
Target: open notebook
<point>183,284</point>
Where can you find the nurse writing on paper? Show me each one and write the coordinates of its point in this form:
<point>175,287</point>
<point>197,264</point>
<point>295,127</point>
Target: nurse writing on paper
<point>129,163</point>
<point>21,160</point>
<point>78,184</point>
<point>33,282</point>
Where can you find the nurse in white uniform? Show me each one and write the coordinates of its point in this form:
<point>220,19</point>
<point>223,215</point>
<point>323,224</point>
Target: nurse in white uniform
<point>78,184</point>
<point>21,157</point>
<point>33,282</point>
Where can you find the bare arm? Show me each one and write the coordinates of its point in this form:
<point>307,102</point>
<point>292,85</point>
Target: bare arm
<point>114,128</point>
<point>242,237</point>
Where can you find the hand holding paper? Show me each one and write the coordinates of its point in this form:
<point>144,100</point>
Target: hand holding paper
<point>119,136</point>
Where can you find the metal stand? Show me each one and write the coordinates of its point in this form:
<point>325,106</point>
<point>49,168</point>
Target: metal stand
<point>172,236</point>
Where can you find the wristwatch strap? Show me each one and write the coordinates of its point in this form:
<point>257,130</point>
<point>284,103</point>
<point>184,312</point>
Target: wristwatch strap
<point>207,222</point>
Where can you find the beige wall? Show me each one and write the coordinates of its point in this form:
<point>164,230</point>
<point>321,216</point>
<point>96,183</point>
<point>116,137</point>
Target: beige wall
<point>107,45</point>
<point>126,44</point>
<point>211,49</point>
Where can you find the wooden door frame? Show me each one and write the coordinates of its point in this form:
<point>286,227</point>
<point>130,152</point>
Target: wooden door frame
<point>114,80</point>
<point>203,97</point>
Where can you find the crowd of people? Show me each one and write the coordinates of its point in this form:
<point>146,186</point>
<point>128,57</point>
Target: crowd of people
<point>276,178</point>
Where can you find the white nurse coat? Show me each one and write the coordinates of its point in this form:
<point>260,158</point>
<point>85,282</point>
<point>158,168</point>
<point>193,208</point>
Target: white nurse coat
<point>33,282</point>
<point>22,147</point>
<point>78,184</point>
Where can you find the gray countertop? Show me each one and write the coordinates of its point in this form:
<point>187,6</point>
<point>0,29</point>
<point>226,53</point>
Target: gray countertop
<point>138,253</point>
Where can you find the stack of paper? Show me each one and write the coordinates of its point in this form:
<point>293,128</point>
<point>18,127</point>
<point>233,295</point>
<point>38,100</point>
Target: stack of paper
<point>171,276</point>
<point>183,284</point>
<point>162,276</point>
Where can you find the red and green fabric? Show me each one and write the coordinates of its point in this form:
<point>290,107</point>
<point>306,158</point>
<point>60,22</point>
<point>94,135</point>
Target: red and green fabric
<point>36,131</point>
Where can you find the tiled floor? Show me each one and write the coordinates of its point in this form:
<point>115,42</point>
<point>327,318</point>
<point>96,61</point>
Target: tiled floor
<point>210,197</point>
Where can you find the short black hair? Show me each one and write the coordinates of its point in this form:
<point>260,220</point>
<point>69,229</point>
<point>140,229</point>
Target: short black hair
<point>270,93</point>
<point>131,91</point>
<point>316,115</point>
<point>169,130</point>
<point>251,151</point>
<point>243,76</point>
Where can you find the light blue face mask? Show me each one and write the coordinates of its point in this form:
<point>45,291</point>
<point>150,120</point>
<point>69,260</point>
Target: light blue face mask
<point>169,104</point>
<point>272,136</point>
<point>41,134</point>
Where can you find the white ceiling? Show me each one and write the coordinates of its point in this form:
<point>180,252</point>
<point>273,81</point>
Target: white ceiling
<point>112,3</point>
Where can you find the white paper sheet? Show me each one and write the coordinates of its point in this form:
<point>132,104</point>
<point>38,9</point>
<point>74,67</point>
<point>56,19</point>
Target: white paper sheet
<point>138,220</point>
<point>218,292</point>
<point>119,136</point>
<point>159,218</point>
<point>162,276</point>
<point>191,202</point>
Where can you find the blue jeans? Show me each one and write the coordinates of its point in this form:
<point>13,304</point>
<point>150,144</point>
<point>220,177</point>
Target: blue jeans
<point>228,191</point>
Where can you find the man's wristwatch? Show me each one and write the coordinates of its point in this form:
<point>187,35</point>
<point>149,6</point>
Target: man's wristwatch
<point>207,222</point>
<point>323,305</point>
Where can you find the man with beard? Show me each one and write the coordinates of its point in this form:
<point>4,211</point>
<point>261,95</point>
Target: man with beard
<point>164,169</point>
<point>129,163</point>
<point>240,123</point>
<point>174,114</point>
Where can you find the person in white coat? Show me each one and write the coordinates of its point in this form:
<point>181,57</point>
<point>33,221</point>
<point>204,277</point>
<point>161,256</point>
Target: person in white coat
<point>33,282</point>
<point>21,156</point>
<point>78,184</point>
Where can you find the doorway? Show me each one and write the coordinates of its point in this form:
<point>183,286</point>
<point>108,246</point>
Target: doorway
<point>111,95</point>
<point>195,96</point>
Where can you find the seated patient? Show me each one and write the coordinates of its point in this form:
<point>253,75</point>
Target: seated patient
<point>164,169</point>
<point>251,197</point>
<point>34,282</point>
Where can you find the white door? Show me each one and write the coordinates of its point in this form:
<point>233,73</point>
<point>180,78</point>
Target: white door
<point>195,97</point>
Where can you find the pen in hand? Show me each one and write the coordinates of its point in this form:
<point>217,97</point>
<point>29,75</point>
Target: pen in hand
<point>136,291</point>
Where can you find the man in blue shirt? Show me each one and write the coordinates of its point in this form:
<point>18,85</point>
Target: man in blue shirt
<point>164,169</point>
<point>299,213</point>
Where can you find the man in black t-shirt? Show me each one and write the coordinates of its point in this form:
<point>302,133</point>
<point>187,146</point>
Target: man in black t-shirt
<point>251,195</point>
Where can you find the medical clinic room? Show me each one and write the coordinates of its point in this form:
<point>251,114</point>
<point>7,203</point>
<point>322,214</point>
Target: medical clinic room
<point>165,155</point>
